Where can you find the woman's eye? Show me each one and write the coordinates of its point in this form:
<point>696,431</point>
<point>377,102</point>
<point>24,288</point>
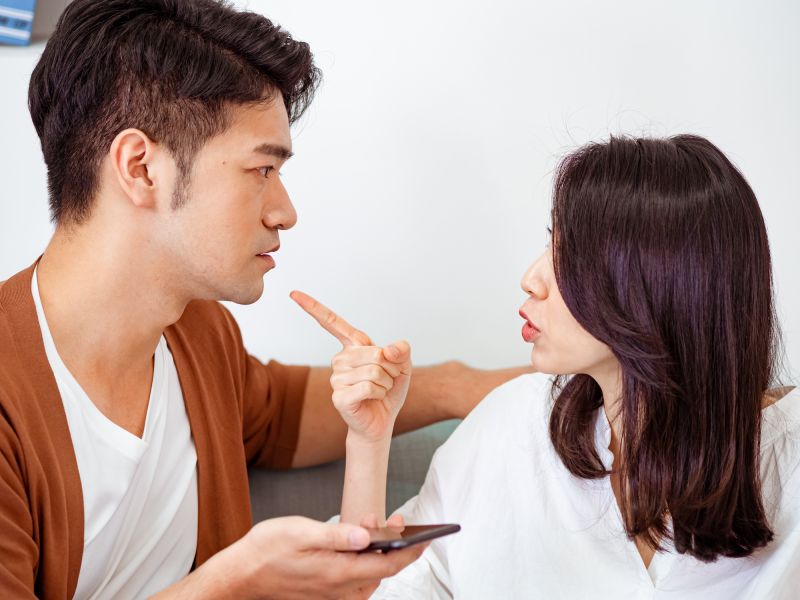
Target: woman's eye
<point>265,171</point>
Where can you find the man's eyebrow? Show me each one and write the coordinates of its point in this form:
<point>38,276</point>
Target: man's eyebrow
<point>277,150</point>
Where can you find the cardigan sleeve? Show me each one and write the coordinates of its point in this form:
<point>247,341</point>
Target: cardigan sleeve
<point>272,400</point>
<point>19,553</point>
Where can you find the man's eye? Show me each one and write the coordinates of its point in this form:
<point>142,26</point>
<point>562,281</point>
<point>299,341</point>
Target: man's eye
<point>265,171</point>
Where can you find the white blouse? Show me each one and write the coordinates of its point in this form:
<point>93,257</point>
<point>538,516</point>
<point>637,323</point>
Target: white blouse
<point>530,529</point>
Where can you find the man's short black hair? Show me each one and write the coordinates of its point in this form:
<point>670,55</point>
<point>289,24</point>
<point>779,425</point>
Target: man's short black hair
<point>171,68</point>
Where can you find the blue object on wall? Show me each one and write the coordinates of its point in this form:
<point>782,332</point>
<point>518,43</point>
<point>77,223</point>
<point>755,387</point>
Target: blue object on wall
<point>16,21</point>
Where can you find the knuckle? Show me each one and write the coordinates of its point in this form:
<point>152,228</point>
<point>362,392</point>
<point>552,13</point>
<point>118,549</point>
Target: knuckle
<point>330,539</point>
<point>340,399</point>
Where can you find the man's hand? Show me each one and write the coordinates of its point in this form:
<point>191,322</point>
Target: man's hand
<point>295,558</point>
<point>369,383</point>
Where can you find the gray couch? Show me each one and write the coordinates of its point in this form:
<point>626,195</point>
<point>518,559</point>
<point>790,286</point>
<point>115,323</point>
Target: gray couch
<point>316,492</point>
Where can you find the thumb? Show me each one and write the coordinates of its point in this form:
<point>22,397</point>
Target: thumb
<point>341,537</point>
<point>399,352</point>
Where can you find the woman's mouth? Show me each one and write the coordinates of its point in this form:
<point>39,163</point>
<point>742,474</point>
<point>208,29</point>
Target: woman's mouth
<point>529,331</point>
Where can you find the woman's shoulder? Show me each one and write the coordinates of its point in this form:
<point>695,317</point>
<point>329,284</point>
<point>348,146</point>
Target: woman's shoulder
<point>513,413</point>
<point>780,416</point>
<point>519,397</point>
<point>780,460</point>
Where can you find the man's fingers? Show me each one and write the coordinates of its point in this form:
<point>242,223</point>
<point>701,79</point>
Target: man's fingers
<point>396,521</point>
<point>379,566</point>
<point>330,321</point>
<point>370,521</point>
<point>336,536</point>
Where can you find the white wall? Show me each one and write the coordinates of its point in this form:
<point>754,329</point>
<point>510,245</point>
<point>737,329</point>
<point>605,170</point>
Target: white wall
<point>423,169</point>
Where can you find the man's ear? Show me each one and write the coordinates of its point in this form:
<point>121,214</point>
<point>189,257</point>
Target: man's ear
<point>133,160</point>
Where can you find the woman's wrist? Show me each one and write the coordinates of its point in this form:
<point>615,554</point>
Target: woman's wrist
<point>358,441</point>
<point>366,468</point>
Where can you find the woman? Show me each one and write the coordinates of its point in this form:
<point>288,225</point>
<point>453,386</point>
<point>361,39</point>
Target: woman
<point>664,467</point>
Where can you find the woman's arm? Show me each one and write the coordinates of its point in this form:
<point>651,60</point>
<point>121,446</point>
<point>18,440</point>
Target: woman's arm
<point>369,384</point>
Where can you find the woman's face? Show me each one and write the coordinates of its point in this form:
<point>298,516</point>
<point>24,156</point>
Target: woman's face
<point>560,345</point>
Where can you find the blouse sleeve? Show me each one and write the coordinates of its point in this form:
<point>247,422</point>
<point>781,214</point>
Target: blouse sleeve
<point>428,577</point>
<point>780,474</point>
<point>461,461</point>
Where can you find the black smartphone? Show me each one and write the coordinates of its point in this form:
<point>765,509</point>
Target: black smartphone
<point>387,539</point>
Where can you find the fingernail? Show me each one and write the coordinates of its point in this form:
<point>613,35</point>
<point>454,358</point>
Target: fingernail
<point>393,351</point>
<point>358,538</point>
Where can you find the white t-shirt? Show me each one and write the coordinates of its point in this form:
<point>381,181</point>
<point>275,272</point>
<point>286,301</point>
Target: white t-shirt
<point>139,494</point>
<point>530,529</point>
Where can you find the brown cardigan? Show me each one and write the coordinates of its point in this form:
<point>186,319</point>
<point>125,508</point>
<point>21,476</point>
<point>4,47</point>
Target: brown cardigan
<point>241,412</point>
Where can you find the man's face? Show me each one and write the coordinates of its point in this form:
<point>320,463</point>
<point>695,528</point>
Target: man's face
<point>218,240</point>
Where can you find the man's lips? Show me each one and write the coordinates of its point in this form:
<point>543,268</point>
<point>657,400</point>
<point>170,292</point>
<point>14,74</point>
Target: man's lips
<point>265,256</point>
<point>529,331</point>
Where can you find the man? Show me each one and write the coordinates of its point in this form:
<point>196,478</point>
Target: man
<point>129,409</point>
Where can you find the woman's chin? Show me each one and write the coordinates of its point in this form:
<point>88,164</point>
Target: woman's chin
<point>539,362</point>
<point>542,363</point>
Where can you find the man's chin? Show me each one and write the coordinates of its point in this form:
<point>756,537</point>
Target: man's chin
<point>246,296</point>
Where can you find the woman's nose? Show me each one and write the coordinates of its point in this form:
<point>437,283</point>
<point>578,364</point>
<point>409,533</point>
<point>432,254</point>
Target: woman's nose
<point>534,281</point>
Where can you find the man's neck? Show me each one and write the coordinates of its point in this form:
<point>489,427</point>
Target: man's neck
<point>106,302</point>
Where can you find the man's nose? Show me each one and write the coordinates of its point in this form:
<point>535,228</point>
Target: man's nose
<point>279,212</point>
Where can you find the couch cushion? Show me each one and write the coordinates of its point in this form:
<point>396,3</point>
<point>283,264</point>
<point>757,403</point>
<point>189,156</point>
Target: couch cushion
<point>316,492</point>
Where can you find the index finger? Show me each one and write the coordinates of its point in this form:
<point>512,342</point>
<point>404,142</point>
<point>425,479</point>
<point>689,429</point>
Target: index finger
<point>330,321</point>
<point>376,566</point>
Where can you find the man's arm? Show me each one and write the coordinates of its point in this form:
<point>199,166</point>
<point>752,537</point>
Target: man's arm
<point>446,391</point>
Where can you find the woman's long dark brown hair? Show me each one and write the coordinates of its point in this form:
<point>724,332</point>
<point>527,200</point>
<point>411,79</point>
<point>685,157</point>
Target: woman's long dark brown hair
<point>661,253</point>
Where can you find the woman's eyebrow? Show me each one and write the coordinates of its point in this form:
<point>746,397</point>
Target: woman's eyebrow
<point>277,150</point>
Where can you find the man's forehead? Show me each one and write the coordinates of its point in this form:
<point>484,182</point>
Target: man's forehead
<point>263,128</point>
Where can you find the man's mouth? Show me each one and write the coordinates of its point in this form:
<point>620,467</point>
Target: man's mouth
<point>268,260</point>
<point>267,256</point>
